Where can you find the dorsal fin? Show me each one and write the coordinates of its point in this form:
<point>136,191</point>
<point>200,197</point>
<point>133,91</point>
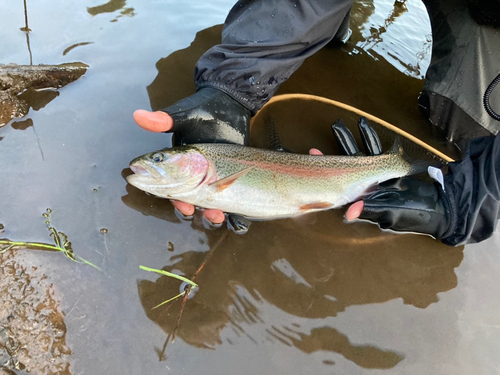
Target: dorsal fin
<point>396,148</point>
<point>416,166</point>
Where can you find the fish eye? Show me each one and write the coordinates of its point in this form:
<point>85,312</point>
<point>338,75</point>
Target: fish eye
<point>157,157</point>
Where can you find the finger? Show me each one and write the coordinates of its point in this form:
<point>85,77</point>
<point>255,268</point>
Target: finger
<point>370,138</point>
<point>354,211</point>
<point>214,216</point>
<point>185,209</point>
<point>153,121</point>
<point>345,139</point>
<point>315,151</point>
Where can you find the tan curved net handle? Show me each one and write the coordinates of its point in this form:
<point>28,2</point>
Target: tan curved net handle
<point>370,117</point>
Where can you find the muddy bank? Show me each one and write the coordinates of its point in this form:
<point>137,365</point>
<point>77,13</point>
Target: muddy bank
<point>32,328</point>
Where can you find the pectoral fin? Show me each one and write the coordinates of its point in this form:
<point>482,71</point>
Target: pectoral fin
<point>225,182</point>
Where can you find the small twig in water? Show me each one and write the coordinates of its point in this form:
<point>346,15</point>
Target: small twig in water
<point>184,300</point>
<point>161,354</point>
<point>210,253</point>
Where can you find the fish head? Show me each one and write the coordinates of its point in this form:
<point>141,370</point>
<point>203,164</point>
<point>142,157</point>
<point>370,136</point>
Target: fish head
<point>168,172</point>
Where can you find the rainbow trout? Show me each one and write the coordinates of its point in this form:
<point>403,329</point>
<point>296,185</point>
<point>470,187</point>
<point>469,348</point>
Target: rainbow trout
<point>263,184</point>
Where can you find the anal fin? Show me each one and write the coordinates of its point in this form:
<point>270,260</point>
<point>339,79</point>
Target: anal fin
<point>315,206</point>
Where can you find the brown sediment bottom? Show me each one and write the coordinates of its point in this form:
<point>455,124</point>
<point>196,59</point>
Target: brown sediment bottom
<point>32,328</point>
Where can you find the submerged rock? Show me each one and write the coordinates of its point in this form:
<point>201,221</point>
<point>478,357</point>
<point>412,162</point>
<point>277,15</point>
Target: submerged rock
<point>17,79</point>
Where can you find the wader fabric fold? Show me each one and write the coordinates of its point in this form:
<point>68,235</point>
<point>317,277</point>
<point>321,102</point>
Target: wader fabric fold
<point>473,186</point>
<point>465,59</point>
<point>264,42</point>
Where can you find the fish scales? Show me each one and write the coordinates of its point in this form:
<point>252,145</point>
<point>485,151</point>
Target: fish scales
<point>264,184</point>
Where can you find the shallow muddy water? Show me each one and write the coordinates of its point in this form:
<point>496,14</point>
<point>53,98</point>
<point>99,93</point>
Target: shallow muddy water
<point>308,296</point>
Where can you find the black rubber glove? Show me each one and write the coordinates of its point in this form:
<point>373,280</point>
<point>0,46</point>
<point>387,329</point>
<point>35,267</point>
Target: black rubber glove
<point>209,116</point>
<point>407,204</point>
<point>410,205</point>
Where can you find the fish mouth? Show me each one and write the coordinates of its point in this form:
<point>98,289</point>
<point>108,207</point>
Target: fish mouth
<point>137,169</point>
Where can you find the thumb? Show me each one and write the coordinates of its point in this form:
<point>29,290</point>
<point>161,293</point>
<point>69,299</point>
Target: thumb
<point>354,211</point>
<point>153,121</point>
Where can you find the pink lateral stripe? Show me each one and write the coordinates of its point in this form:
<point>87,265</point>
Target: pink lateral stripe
<point>298,171</point>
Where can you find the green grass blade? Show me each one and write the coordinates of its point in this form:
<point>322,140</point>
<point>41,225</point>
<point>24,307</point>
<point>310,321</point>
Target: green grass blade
<point>168,300</point>
<point>81,260</point>
<point>169,274</point>
<point>29,244</point>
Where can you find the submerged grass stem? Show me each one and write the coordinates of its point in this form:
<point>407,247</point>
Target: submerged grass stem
<point>61,241</point>
<point>37,245</point>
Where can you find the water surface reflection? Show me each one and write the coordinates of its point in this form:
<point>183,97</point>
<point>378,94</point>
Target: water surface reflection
<point>111,7</point>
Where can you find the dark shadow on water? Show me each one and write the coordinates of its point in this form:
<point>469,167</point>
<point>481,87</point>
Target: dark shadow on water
<point>38,99</point>
<point>310,272</point>
<point>175,72</point>
<point>147,204</point>
<point>29,99</point>
<point>22,125</point>
<point>110,7</point>
<point>73,46</point>
<point>326,338</point>
<point>26,86</point>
